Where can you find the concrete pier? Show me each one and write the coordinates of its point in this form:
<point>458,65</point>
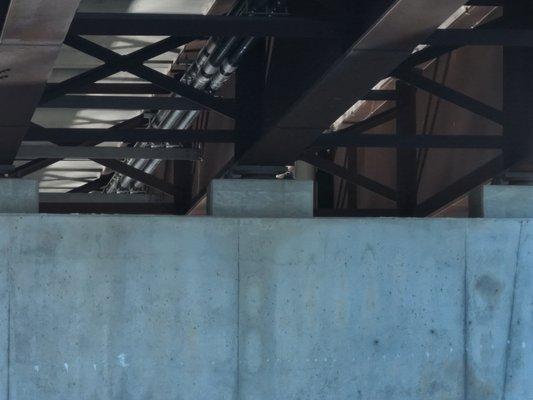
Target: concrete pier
<point>19,196</point>
<point>262,198</point>
<point>507,201</point>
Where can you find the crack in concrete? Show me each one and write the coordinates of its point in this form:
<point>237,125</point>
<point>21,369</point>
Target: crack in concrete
<point>465,317</point>
<point>510,325</point>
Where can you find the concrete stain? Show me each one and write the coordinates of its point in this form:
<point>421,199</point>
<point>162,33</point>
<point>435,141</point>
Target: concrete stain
<point>479,389</point>
<point>490,290</point>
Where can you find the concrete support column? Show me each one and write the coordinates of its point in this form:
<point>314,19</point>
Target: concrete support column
<point>19,196</point>
<point>260,198</point>
<point>304,171</point>
<point>507,201</point>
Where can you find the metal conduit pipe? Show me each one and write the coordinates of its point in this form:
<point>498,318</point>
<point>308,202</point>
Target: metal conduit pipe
<point>180,119</point>
<point>202,58</point>
<point>200,68</point>
<point>164,119</point>
<point>230,65</point>
<point>227,67</point>
<point>116,182</point>
<point>126,180</point>
<point>149,169</point>
<point>169,119</point>
<point>212,68</point>
<point>204,70</point>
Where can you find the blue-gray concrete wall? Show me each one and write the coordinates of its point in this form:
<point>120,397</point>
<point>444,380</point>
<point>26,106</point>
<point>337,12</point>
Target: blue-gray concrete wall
<point>507,201</point>
<point>19,196</point>
<point>100,307</point>
<point>260,198</point>
<point>118,308</point>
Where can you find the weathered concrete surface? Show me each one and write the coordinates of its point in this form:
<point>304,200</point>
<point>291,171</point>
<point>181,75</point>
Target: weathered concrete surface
<point>507,201</point>
<point>519,362</point>
<point>385,309</point>
<point>121,308</point>
<point>344,310</point>
<point>219,308</point>
<point>5,236</point>
<point>260,198</point>
<point>490,271</point>
<point>19,196</point>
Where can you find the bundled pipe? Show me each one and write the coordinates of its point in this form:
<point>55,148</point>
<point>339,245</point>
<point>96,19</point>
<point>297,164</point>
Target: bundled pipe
<point>214,65</point>
<point>212,83</point>
<point>198,75</point>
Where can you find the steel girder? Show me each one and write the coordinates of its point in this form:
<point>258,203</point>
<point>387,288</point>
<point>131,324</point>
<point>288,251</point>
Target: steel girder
<point>36,165</point>
<point>450,95</point>
<point>30,152</point>
<point>122,103</point>
<point>133,63</point>
<point>76,135</point>
<point>372,57</point>
<point>208,25</point>
<point>391,140</point>
<point>138,175</point>
<point>115,88</point>
<point>29,45</point>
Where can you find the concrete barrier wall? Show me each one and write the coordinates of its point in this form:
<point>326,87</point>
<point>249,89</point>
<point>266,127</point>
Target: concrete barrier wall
<point>119,308</point>
<point>205,308</point>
